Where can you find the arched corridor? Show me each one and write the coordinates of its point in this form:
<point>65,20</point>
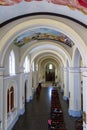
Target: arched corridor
<point>45,43</point>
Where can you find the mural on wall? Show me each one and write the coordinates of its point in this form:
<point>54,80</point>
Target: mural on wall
<point>42,34</point>
<point>73,4</point>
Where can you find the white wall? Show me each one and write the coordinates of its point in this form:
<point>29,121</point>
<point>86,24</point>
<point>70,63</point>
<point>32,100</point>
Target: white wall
<point>11,117</point>
<point>9,81</point>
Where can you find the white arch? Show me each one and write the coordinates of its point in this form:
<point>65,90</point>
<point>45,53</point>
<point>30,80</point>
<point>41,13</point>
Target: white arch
<point>45,51</point>
<point>75,57</point>
<point>45,56</point>
<point>8,37</point>
<point>55,64</point>
<point>50,44</point>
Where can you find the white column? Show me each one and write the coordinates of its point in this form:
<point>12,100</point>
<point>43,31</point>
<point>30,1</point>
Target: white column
<point>21,91</point>
<point>66,85</point>
<point>75,92</point>
<point>30,85</point>
<point>84,74</point>
<point>35,79</point>
<point>28,88</point>
<point>62,79</point>
<point>1,100</point>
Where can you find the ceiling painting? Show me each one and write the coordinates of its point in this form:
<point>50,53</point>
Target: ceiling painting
<point>72,4</point>
<point>42,34</point>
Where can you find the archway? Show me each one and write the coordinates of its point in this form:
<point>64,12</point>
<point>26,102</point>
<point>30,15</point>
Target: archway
<point>50,72</point>
<point>13,32</point>
<point>75,85</point>
<point>77,78</point>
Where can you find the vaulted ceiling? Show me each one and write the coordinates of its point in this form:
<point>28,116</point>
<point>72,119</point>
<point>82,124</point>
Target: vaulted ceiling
<point>72,13</point>
<point>76,9</point>
<point>41,34</point>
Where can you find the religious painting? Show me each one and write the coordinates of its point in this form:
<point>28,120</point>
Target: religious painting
<point>42,34</point>
<point>72,4</point>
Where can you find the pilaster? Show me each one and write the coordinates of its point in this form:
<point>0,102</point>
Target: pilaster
<point>31,75</point>
<point>61,80</point>
<point>84,74</point>
<point>1,99</point>
<point>66,85</point>
<point>21,95</point>
<point>75,92</point>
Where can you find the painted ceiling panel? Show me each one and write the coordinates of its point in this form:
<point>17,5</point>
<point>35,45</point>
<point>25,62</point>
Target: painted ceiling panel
<point>72,4</point>
<point>42,34</point>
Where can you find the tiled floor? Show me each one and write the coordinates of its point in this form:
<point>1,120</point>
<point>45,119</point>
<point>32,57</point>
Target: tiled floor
<point>38,112</point>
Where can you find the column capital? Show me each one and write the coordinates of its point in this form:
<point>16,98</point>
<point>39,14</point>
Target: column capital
<point>2,69</point>
<point>74,69</point>
<point>84,71</point>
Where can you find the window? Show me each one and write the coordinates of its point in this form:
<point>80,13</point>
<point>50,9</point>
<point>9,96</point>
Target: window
<point>10,99</point>
<point>12,63</point>
<point>50,66</point>
<point>26,65</point>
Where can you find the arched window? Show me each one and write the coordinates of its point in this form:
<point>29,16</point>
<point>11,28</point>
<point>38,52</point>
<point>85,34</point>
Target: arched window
<point>8,101</point>
<point>26,65</point>
<point>11,98</point>
<point>50,66</point>
<point>12,63</point>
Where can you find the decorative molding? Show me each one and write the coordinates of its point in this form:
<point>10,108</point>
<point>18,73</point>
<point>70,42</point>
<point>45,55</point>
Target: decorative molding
<point>10,77</point>
<point>42,13</point>
<point>74,70</point>
<point>83,68</point>
<point>65,68</point>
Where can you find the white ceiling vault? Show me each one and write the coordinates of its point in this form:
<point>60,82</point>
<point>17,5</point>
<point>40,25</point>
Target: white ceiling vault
<point>76,9</point>
<point>31,31</point>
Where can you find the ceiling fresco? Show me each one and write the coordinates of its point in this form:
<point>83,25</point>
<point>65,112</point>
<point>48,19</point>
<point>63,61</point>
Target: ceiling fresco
<point>42,34</point>
<point>72,4</point>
